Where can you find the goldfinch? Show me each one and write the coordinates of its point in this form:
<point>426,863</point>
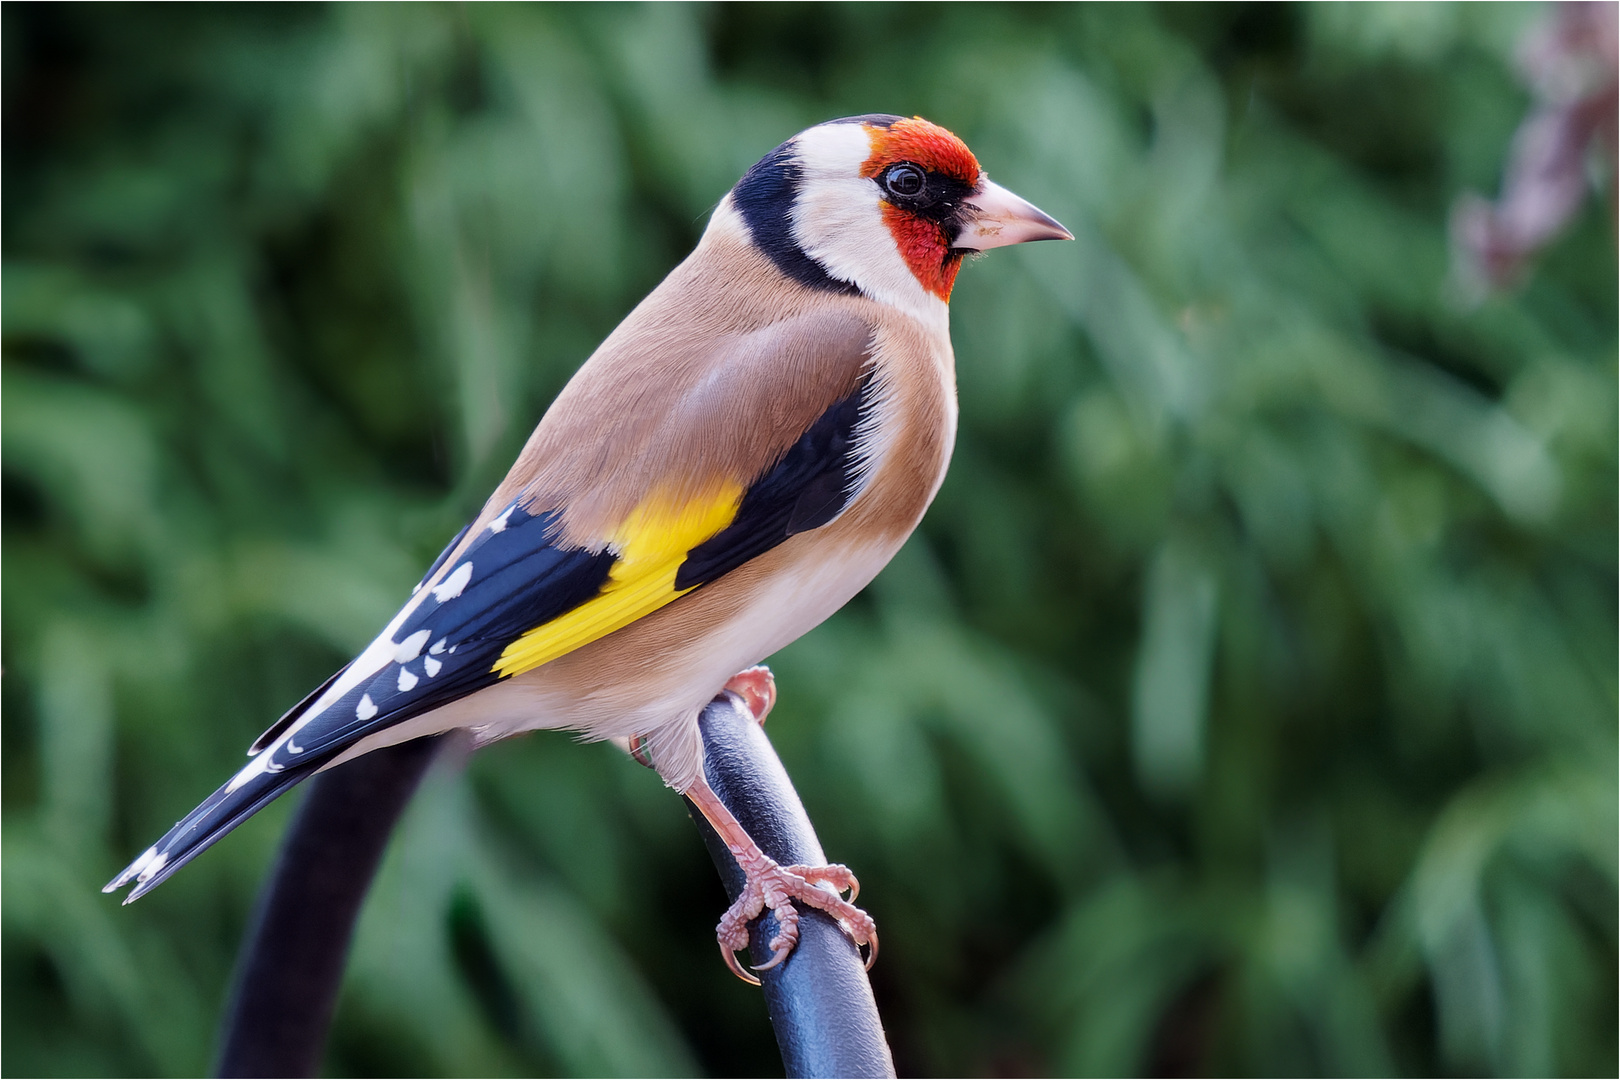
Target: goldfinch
<point>736,461</point>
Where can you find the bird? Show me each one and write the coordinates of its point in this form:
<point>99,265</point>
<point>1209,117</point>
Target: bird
<point>738,459</point>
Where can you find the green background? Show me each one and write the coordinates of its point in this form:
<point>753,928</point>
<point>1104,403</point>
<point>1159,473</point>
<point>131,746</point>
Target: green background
<point>1245,704</point>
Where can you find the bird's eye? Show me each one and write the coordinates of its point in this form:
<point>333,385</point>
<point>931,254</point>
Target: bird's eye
<point>904,181</point>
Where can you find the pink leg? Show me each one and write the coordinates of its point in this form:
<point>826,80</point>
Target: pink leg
<point>774,886</point>
<point>757,688</point>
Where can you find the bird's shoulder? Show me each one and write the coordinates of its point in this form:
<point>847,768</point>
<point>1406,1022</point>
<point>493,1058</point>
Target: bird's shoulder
<point>707,384</point>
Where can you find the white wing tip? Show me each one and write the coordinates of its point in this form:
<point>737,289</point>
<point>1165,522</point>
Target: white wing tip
<point>132,871</point>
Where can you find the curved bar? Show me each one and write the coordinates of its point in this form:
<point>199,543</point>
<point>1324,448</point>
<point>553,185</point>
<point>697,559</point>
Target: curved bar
<point>819,999</point>
<point>292,960</point>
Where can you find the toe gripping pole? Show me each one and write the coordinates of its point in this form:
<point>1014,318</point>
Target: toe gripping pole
<point>292,960</point>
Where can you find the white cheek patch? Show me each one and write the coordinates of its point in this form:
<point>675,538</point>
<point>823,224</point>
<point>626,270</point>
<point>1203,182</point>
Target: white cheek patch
<point>838,221</point>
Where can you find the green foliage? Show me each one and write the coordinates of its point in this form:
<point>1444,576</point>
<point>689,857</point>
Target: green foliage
<point>1246,703</point>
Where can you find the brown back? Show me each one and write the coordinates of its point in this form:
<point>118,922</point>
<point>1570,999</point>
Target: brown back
<point>712,378</point>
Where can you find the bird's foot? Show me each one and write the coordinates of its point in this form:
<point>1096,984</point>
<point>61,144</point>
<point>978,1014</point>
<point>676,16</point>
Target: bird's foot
<point>773,886</point>
<point>768,885</point>
<point>757,688</point>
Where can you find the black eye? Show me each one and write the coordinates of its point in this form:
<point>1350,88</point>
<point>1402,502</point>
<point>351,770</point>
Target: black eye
<point>904,181</point>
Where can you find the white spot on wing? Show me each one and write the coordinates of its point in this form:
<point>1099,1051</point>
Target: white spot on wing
<point>152,867</point>
<point>438,647</point>
<point>378,655</point>
<point>411,647</point>
<point>366,709</point>
<point>406,679</point>
<point>499,524</point>
<point>432,666</point>
<point>451,587</point>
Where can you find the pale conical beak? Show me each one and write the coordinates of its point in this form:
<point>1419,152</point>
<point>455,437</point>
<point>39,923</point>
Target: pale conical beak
<point>994,217</point>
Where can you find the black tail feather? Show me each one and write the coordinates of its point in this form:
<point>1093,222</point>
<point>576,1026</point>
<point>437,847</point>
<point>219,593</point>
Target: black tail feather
<point>199,830</point>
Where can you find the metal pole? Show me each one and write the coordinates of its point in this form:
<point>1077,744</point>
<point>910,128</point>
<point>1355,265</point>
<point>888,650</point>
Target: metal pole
<point>291,965</point>
<point>819,998</point>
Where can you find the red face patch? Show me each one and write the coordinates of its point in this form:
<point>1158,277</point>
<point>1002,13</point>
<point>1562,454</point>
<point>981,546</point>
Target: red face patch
<point>922,243</point>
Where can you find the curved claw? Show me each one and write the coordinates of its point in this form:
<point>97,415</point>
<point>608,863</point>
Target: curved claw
<point>776,958</point>
<point>854,888</point>
<point>871,948</point>
<point>736,968</point>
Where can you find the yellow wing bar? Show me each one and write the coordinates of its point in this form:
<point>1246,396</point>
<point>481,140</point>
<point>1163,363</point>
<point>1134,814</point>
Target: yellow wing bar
<point>650,547</point>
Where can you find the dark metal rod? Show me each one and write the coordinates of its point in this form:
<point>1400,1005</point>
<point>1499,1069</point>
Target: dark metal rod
<point>291,967</point>
<point>819,999</point>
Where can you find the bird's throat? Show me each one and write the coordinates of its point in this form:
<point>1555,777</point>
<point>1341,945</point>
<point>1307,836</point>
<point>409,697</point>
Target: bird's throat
<point>926,250</point>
